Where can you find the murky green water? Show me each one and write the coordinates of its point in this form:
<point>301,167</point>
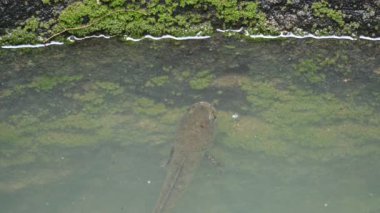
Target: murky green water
<point>86,127</point>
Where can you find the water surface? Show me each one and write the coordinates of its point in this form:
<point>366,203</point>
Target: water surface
<point>86,127</point>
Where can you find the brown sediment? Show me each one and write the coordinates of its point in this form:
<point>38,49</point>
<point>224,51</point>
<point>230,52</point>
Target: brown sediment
<point>195,135</point>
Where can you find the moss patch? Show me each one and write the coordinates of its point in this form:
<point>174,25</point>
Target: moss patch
<point>201,80</point>
<point>157,81</point>
<point>148,107</point>
<point>45,83</point>
<point>322,126</point>
<point>93,95</point>
<point>116,17</point>
<point>25,34</point>
<point>321,9</point>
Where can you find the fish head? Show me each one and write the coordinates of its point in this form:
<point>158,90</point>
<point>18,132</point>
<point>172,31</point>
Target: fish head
<point>204,113</point>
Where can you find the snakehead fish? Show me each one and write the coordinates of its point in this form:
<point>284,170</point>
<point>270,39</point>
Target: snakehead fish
<point>195,135</point>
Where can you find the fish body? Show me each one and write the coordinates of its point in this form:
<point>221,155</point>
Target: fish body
<point>194,136</point>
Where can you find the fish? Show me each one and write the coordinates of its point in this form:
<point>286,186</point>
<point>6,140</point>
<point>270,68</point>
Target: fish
<point>195,135</point>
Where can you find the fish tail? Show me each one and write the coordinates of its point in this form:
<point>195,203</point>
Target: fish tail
<point>166,192</point>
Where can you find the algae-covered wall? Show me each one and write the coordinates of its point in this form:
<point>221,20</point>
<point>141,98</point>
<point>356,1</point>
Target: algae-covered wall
<point>39,21</point>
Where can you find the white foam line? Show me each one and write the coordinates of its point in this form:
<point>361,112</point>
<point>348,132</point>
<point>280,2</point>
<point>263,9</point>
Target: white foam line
<point>31,45</point>
<point>282,35</point>
<point>230,30</point>
<point>291,35</point>
<point>369,38</point>
<point>74,38</point>
<point>197,37</point>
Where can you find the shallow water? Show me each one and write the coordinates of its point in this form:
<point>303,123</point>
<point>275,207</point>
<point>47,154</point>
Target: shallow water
<point>86,127</point>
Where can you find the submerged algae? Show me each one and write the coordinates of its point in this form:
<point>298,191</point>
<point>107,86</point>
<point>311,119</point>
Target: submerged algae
<point>8,134</point>
<point>157,81</point>
<point>148,107</point>
<point>279,122</point>
<point>39,177</point>
<point>290,120</point>
<point>277,116</point>
<point>43,84</point>
<point>93,95</point>
<point>317,69</point>
<point>201,80</point>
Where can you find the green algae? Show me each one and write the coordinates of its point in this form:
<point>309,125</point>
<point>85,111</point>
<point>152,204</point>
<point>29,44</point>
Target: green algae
<point>76,122</point>
<point>24,118</point>
<point>180,76</point>
<point>136,19</point>
<point>93,95</point>
<point>201,80</point>
<point>309,71</point>
<point>277,117</point>
<point>157,81</point>
<point>16,146</point>
<point>46,1</point>
<point>65,139</point>
<point>148,107</point>
<point>8,133</point>
<point>349,132</point>
<point>171,117</point>
<point>46,83</point>
<point>84,129</point>
<point>316,70</point>
<point>285,122</point>
<point>110,87</point>
<point>79,129</point>
<point>317,126</point>
<point>178,18</point>
<point>43,84</point>
<point>5,93</point>
<point>23,34</point>
<point>321,9</point>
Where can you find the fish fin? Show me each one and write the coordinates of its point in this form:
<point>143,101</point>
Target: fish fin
<point>165,164</point>
<point>172,186</point>
<point>170,157</point>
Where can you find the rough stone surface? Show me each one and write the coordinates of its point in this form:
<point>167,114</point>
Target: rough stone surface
<point>340,17</point>
<point>364,12</point>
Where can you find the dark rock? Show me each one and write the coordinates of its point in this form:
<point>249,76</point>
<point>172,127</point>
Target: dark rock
<point>15,12</point>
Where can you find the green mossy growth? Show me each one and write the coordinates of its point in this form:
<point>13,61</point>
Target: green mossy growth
<point>114,3</point>
<point>46,2</point>
<point>148,107</point>
<point>66,139</point>
<point>309,71</point>
<point>8,134</point>
<point>321,9</point>
<point>317,69</point>
<point>45,83</point>
<point>13,157</point>
<point>157,81</point>
<point>5,93</point>
<point>293,119</point>
<point>201,80</point>
<point>93,96</point>
<point>116,17</point>
<point>26,34</point>
<point>109,87</point>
